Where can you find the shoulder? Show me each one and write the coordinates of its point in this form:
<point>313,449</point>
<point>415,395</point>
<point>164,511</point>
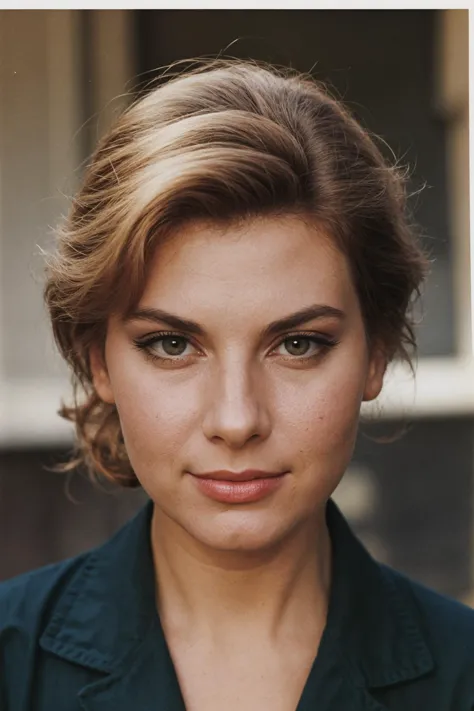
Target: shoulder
<point>24,598</point>
<point>30,602</point>
<point>27,602</point>
<point>443,618</point>
<point>448,628</point>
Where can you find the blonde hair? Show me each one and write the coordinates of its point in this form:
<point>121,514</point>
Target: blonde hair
<point>228,140</point>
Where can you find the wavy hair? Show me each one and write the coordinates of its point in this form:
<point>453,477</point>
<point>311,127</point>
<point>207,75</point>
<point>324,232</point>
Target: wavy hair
<point>227,140</point>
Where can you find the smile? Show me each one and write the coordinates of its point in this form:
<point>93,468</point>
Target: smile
<point>239,492</point>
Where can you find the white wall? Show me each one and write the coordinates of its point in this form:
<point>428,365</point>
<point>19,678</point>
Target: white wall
<point>42,87</point>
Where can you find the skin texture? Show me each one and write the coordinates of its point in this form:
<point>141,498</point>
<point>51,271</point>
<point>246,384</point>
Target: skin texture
<point>236,406</point>
<point>232,400</point>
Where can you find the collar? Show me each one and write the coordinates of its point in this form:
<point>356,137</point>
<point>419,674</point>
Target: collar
<point>107,609</point>
<point>372,617</point>
<point>108,606</point>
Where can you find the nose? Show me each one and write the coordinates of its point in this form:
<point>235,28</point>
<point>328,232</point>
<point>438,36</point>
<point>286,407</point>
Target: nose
<point>237,410</point>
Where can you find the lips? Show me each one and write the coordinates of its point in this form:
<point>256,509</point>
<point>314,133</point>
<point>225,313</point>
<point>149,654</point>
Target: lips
<point>246,475</point>
<point>244,487</point>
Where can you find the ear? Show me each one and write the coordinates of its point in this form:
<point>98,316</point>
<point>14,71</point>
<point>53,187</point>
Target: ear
<point>375,373</point>
<point>100,375</point>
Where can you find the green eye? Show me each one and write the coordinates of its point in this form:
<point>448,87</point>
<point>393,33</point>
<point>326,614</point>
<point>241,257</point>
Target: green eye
<point>173,345</point>
<point>295,343</point>
<point>299,345</point>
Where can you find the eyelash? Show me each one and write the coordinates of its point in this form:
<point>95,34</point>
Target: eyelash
<point>144,345</point>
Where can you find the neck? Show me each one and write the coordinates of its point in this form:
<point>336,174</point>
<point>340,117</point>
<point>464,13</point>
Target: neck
<point>229,594</point>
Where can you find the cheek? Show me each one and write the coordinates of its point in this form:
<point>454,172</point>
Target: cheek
<point>153,427</point>
<point>322,417</point>
<point>156,415</point>
<point>315,415</point>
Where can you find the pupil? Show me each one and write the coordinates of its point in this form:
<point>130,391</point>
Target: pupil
<point>294,343</point>
<point>173,341</point>
<point>297,341</point>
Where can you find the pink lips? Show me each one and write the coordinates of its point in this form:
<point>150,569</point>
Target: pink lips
<point>238,487</point>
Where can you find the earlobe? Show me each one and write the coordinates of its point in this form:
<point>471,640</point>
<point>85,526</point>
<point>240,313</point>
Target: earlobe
<point>375,375</point>
<point>100,376</point>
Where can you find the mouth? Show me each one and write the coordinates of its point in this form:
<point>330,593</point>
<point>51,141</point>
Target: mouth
<point>246,475</point>
<point>239,490</point>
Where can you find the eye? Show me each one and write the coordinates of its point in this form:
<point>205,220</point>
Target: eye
<point>170,347</point>
<point>302,345</point>
<point>173,345</point>
<point>164,346</point>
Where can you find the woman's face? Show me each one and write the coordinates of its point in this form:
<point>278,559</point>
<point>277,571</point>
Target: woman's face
<point>234,396</point>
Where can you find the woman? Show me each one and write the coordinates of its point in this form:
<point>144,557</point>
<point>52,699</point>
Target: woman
<point>234,277</point>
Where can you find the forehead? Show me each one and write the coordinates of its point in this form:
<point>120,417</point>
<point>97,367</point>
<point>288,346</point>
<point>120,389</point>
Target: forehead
<point>265,260</point>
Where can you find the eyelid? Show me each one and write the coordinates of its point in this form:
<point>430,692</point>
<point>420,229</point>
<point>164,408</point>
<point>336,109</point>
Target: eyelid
<point>159,335</point>
<point>322,339</point>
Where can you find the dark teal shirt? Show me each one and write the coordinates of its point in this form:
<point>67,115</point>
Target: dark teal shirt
<point>84,634</point>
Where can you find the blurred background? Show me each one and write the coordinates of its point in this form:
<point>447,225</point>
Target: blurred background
<point>64,75</point>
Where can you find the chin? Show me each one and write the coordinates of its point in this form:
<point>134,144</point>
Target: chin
<point>241,531</point>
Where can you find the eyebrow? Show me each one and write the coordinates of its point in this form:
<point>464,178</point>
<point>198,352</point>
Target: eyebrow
<point>308,313</point>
